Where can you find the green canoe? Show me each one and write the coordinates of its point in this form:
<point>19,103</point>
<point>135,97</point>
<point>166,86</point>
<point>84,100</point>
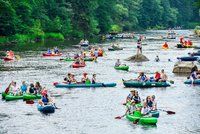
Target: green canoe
<point>31,96</point>
<point>143,120</point>
<point>72,59</point>
<point>147,84</point>
<point>10,97</point>
<point>123,67</point>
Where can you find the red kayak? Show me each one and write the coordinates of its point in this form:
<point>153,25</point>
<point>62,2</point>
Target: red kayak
<point>8,59</point>
<point>74,65</point>
<point>46,54</point>
<point>100,54</point>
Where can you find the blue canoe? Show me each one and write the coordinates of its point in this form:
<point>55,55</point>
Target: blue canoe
<point>46,108</point>
<point>62,85</point>
<point>192,58</point>
<point>194,82</point>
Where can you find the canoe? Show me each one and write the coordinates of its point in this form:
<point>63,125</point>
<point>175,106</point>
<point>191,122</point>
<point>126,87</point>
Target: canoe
<point>189,58</point>
<point>180,46</point>
<point>123,67</point>
<point>10,97</point>
<point>85,59</point>
<point>138,84</point>
<point>74,65</point>
<point>46,54</point>
<point>31,96</point>
<point>195,54</point>
<point>63,85</point>
<point>8,59</point>
<point>46,108</point>
<point>143,120</point>
<point>197,82</point>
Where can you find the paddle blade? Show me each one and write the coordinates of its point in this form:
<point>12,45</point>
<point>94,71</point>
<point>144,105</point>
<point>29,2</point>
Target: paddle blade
<point>118,117</point>
<point>170,112</point>
<point>171,81</point>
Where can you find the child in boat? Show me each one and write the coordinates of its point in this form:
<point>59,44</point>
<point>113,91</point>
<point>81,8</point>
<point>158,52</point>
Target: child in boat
<point>154,102</point>
<point>93,78</point>
<point>157,76</point>
<point>142,77</point>
<point>14,89</point>
<point>163,76</point>
<point>118,63</point>
<point>149,102</point>
<point>24,87</point>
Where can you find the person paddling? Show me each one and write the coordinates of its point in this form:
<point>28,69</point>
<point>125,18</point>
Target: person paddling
<point>163,76</point>
<point>93,78</point>
<point>118,63</point>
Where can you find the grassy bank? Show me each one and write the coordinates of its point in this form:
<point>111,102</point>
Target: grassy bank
<point>30,38</point>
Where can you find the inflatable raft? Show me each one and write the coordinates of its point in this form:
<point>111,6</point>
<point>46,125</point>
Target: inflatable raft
<point>46,108</point>
<point>31,96</point>
<point>10,97</point>
<point>197,82</point>
<point>138,84</point>
<point>62,85</point>
<point>122,67</point>
<point>8,59</point>
<point>51,55</point>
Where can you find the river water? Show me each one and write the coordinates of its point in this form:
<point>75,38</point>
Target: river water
<point>87,111</point>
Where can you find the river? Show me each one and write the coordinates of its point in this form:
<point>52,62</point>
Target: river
<point>87,111</point>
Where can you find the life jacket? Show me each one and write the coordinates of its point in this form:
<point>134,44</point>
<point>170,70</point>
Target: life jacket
<point>143,78</point>
<point>45,100</point>
<point>150,104</point>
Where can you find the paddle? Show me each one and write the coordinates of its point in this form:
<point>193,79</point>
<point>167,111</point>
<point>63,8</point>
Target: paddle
<point>168,112</point>
<point>32,102</point>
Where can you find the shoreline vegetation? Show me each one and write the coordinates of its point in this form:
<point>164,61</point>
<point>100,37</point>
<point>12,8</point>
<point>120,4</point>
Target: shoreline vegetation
<point>32,21</point>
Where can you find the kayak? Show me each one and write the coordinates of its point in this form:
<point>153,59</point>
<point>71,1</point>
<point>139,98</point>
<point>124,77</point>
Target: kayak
<point>138,84</point>
<point>143,120</point>
<point>46,54</point>
<point>163,47</point>
<point>8,59</point>
<point>63,85</point>
<point>191,58</point>
<point>181,46</point>
<point>196,54</point>
<point>46,108</point>
<point>85,59</point>
<point>10,97</point>
<point>74,65</point>
<point>123,67</point>
<point>197,81</point>
<point>31,96</point>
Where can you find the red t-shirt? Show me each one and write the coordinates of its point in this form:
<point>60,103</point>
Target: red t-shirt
<point>157,76</point>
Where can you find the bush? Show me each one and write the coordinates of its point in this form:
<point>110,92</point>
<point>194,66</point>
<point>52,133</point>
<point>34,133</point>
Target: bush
<point>58,36</point>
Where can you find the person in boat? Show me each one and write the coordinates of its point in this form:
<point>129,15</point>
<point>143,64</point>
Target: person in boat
<point>96,53</point>
<point>38,87</point>
<point>84,79</point>
<point>82,61</point>
<point>72,79</point>
<point>165,45</point>
<point>149,102</point>
<point>81,41</point>
<point>14,89</point>
<point>142,77</point>
<point>100,51</point>
<point>157,59</point>
<point>189,42</point>
<point>93,78</point>
<point>193,75</point>
<point>163,76</point>
<point>181,40</point>
<point>56,51</point>
<point>136,98</point>
<point>154,102</point>
<point>157,76</point>
<point>83,55</point>
<point>77,61</point>
<point>139,45</point>
<point>24,87</point>
<point>68,78</point>
<point>118,63</point>
<point>49,51</point>
<point>32,89</point>
<point>130,96</point>
<point>145,109</point>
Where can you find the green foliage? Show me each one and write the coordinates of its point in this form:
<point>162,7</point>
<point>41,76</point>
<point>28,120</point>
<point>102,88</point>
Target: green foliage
<point>57,36</point>
<point>35,20</point>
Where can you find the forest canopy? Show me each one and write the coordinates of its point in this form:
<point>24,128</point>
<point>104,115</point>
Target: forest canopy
<point>85,18</point>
